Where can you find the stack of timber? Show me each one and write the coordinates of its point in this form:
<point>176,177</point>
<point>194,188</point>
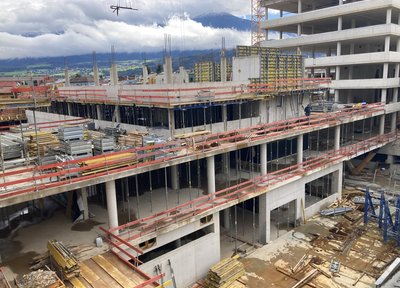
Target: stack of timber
<point>132,139</point>
<point>225,273</point>
<point>41,143</point>
<point>62,258</point>
<point>40,278</point>
<point>109,162</point>
<point>96,134</point>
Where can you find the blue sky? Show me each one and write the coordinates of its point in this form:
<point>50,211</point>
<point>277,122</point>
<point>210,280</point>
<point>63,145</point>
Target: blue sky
<point>36,28</point>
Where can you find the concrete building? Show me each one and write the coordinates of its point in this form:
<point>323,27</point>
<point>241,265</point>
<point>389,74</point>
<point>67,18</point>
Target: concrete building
<point>233,163</point>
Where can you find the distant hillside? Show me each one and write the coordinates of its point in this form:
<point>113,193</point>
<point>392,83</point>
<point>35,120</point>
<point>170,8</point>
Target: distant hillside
<point>224,20</point>
<point>128,62</point>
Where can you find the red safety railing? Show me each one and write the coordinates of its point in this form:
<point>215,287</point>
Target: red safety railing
<point>33,179</point>
<point>243,191</point>
<point>191,94</point>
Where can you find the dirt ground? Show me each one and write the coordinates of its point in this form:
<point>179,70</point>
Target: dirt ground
<point>17,251</point>
<point>359,249</point>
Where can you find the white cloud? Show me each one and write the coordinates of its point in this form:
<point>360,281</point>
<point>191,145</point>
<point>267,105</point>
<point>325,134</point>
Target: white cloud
<point>99,36</point>
<point>69,27</point>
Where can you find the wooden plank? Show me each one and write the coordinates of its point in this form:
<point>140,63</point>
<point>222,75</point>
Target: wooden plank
<point>92,277</point>
<point>77,283</point>
<point>126,270</point>
<point>113,272</point>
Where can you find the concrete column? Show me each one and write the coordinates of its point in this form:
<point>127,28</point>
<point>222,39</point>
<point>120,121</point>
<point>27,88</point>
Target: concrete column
<point>168,70</point>
<point>300,149</point>
<point>263,160</point>
<point>393,122</point>
<point>225,116</point>
<point>226,162</point>
<point>112,208</point>
<point>99,114</point>
<point>171,121</point>
<point>337,138</point>
<point>299,30</point>
<point>384,95</point>
<point>114,74</point>
<point>224,74</point>
<point>69,108</point>
<point>182,75</point>
<point>389,16</point>
<point>263,110</point>
<point>264,220</point>
<point>85,208</point>
<point>227,223</point>
<point>211,174</point>
<point>117,114</point>
<point>145,74</point>
<point>96,75</point>
<point>174,177</point>
<point>381,124</point>
<point>340,23</point>
<point>66,75</point>
<point>299,6</point>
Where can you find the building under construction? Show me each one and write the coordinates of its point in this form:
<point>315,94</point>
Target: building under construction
<point>181,175</point>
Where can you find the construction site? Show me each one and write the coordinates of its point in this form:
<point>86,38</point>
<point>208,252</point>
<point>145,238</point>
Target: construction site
<point>278,167</point>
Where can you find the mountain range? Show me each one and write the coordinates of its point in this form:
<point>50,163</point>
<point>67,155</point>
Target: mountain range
<point>54,65</point>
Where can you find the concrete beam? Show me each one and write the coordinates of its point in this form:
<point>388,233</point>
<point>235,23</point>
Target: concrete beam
<point>330,12</point>
<point>336,36</point>
<point>353,59</point>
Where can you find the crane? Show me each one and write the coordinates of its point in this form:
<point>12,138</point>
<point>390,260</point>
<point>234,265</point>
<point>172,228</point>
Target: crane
<point>119,6</point>
<point>258,14</point>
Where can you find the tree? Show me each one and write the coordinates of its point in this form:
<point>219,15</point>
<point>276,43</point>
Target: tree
<point>159,69</point>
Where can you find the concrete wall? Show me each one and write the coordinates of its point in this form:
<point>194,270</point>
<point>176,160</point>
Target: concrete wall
<point>191,261</point>
<point>296,191</point>
<point>244,68</point>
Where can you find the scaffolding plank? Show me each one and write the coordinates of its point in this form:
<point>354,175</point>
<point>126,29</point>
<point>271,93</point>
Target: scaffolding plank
<point>113,271</point>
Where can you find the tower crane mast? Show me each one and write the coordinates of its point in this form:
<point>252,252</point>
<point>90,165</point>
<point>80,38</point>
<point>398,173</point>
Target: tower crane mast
<point>258,14</point>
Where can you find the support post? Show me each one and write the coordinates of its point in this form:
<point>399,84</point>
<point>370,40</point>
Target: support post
<point>84,195</point>
<point>300,149</point>
<point>337,138</point>
<point>99,114</point>
<point>171,122</point>
<point>174,177</point>
<point>112,208</point>
<point>211,174</point>
<point>393,123</point>
<point>381,124</point>
<point>263,160</point>
<point>69,107</point>
<point>264,220</point>
<point>225,116</point>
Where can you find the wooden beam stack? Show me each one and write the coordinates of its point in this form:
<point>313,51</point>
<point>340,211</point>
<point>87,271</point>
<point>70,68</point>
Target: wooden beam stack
<point>225,273</point>
<point>41,143</point>
<point>132,139</point>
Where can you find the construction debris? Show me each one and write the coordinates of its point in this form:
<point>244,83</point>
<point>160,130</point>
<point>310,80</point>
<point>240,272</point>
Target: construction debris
<point>225,273</point>
<point>335,211</point>
<point>40,278</point>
